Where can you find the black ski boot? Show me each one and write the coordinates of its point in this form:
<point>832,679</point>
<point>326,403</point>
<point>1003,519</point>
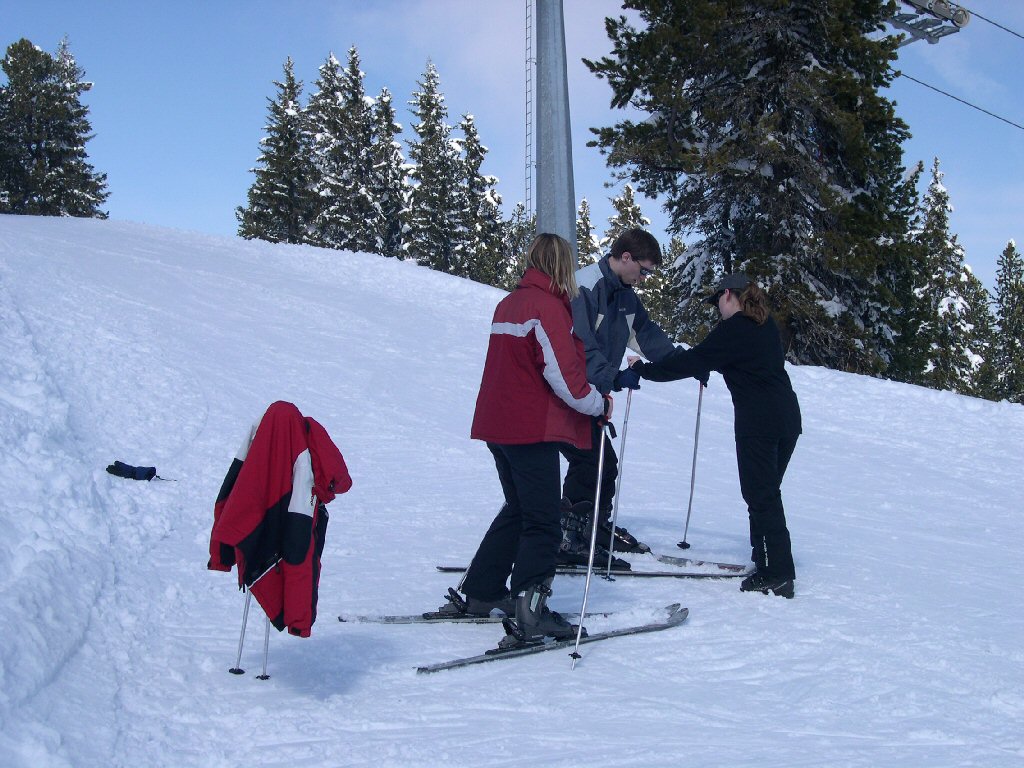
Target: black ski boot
<point>470,606</point>
<point>575,547</point>
<point>573,518</point>
<point>535,621</point>
<point>759,581</point>
<point>623,541</point>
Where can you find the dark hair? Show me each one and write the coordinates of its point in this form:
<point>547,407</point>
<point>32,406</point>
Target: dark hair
<point>753,303</point>
<point>640,243</point>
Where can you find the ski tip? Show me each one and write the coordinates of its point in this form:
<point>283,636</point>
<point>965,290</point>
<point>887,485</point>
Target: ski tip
<point>678,614</point>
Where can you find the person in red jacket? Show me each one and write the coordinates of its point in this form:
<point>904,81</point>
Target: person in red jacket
<point>534,397</point>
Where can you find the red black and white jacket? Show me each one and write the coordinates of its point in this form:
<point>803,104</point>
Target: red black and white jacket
<point>270,519</point>
<point>534,387</point>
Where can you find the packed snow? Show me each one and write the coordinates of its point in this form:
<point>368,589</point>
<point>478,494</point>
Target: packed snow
<point>158,347</point>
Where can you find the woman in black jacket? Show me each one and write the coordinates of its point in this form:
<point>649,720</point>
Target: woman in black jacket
<point>746,349</point>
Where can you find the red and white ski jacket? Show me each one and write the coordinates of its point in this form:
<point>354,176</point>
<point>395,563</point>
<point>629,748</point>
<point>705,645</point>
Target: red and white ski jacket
<point>534,387</point>
<point>269,517</point>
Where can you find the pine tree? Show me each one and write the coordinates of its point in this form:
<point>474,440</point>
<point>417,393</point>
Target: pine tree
<point>44,127</point>
<point>980,324</point>
<point>627,216</point>
<point>763,127</point>
<point>388,183</point>
<point>434,214</point>
<point>693,276</point>
<point>9,153</point>
<point>480,230</point>
<point>661,291</point>
<point>340,123</point>
<point>954,328</point>
<point>903,279</point>
<point>1008,349</point>
<point>587,245</point>
<point>29,84</point>
<point>280,201</point>
<point>518,232</point>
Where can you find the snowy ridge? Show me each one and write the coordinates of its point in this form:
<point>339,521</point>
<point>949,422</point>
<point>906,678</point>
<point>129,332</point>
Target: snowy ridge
<point>159,347</point>
<point>39,475</point>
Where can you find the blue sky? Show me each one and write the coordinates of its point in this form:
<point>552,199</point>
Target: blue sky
<point>180,93</point>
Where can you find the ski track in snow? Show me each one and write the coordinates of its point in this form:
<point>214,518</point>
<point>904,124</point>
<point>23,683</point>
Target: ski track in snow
<point>159,347</point>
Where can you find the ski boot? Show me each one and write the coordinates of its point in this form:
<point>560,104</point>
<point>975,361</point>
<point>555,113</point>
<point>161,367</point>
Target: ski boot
<point>759,581</point>
<point>623,541</point>
<point>575,547</point>
<point>471,606</point>
<point>534,620</point>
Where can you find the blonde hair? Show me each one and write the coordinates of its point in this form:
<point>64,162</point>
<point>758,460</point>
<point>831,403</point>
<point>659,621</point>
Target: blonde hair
<point>553,256</point>
<point>753,303</point>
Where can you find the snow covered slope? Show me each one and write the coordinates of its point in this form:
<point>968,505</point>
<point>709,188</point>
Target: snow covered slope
<point>159,347</point>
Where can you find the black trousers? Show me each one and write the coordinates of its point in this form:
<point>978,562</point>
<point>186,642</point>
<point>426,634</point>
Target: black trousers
<point>762,463</point>
<point>522,542</point>
<point>581,477</point>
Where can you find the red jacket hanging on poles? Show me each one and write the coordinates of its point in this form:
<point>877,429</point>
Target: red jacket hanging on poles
<point>270,519</point>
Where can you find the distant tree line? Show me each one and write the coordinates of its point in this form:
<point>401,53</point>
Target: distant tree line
<point>332,173</point>
<point>765,134</point>
<point>44,167</point>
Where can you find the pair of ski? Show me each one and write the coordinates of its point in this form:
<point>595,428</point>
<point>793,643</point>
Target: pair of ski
<point>719,570</point>
<point>674,615</point>
<point>712,570</point>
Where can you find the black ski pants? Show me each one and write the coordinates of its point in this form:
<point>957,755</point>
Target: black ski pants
<point>762,463</point>
<point>581,477</point>
<point>523,539</point>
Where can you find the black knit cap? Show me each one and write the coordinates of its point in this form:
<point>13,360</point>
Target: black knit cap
<point>736,281</point>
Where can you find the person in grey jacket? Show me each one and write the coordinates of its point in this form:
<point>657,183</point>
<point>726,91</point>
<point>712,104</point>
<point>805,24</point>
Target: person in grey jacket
<point>608,316</point>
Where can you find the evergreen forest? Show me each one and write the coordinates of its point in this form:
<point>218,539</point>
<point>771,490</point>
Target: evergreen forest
<point>761,128</point>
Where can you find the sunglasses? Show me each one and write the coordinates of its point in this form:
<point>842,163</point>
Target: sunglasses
<point>645,272</point>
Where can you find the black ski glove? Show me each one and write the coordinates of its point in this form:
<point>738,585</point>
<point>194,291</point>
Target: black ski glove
<point>626,379</point>
<point>602,420</point>
<point>121,469</point>
<point>703,378</point>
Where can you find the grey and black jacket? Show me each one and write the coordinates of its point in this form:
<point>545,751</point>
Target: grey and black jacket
<point>608,316</point>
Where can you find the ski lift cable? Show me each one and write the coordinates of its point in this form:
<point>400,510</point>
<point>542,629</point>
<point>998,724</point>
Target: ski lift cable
<point>957,98</point>
<point>993,23</point>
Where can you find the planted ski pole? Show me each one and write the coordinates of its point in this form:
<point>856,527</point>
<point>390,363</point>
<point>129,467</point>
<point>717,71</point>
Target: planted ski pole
<point>618,488</point>
<point>237,669</point>
<point>266,651</point>
<point>693,470</point>
<point>593,541</point>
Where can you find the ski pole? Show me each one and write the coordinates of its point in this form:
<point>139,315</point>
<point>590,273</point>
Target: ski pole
<point>693,470</point>
<point>618,487</point>
<point>237,669</point>
<point>593,547</point>
<point>266,652</point>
